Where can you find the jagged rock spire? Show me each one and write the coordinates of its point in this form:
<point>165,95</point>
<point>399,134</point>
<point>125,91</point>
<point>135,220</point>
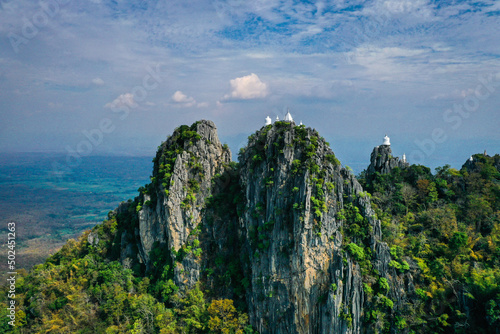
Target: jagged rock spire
<point>382,161</point>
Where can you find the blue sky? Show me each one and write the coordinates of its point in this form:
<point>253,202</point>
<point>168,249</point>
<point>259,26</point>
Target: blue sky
<point>102,76</point>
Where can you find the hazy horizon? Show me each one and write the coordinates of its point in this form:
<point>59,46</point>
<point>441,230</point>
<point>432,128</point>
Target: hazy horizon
<point>102,77</point>
<point>357,157</point>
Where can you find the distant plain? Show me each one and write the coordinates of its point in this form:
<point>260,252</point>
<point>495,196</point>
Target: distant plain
<point>50,204</point>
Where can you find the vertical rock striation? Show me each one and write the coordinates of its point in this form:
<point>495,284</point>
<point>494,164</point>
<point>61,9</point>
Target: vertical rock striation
<point>303,280</point>
<point>172,204</point>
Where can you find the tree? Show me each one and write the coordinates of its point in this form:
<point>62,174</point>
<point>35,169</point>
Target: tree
<point>224,318</point>
<point>193,311</point>
<point>409,194</point>
<point>478,212</point>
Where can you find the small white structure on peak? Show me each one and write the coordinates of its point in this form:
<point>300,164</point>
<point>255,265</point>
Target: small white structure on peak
<point>404,157</point>
<point>386,141</point>
<point>277,118</point>
<point>301,123</point>
<point>288,117</point>
<point>471,158</point>
<point>268,120</point>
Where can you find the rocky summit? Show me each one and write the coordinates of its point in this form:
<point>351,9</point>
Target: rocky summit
<point>295,225</point>
<point>382,161</point>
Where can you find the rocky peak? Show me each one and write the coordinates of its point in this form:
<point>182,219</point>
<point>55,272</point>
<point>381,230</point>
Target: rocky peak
<point>305,217</point>
<point>171,206</point>
<point>382,161</point>
<point>477,161</point>
<point>288,232</point>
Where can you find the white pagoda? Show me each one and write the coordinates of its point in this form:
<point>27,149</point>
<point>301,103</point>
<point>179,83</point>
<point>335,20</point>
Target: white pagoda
<point>288,117</point>
<point>386,141</point>
<point>404,157</point>
<point>268,120</point>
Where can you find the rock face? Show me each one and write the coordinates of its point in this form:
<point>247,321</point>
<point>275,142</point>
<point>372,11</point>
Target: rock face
<point>173,202</point>
<point>382,161</point>
<point>296,245</point>
<point>293,230</point>
<point>298,201</point>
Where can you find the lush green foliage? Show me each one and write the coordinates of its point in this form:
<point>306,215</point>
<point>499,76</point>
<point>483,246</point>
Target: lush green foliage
<point>445,229</point>
<point>79,290</point>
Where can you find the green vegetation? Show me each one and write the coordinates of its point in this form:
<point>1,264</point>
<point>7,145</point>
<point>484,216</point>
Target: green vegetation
<point>357,252</point>
<point>79,290</point>
<point>166,156</point>
<point>356,227</point>
<point>332,159</point>
<point>445,229</point>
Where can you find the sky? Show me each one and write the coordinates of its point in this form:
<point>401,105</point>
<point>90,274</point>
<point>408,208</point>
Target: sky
<point>94,77</point>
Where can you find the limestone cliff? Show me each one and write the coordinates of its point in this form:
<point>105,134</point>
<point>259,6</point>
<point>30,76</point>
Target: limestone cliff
<point>288,232</point>
<point>170,207</point>
<point>306,218</point>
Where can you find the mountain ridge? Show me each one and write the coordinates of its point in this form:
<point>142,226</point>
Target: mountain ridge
<point>306,225</point>
<point>285,241</point>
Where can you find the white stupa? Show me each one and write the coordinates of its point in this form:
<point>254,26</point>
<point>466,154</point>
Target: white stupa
<point>288,117</point>
<point>404,157</point>
<point>471,158</point>
<point>301,123</point>
<point>268,120</point>
<point>386,141</point>
<point>277,118</point>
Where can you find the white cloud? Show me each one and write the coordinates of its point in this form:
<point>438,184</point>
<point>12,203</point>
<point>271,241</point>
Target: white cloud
<point>455,94</point>
<point>182,99</point>
<point>98,82</point>
<point>124,100</point>
<point>404,6</point>
<point>388,63</point>
<point>407,8</point>
<point>246,88</point>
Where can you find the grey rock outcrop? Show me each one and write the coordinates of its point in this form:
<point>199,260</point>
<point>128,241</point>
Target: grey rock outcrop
<point>289,220</point>
<point>303,280</point>
<point>382,161</point>
<point>172,207</point>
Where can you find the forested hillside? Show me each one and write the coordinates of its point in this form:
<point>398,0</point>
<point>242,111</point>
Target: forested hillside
<point>445,228</point>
